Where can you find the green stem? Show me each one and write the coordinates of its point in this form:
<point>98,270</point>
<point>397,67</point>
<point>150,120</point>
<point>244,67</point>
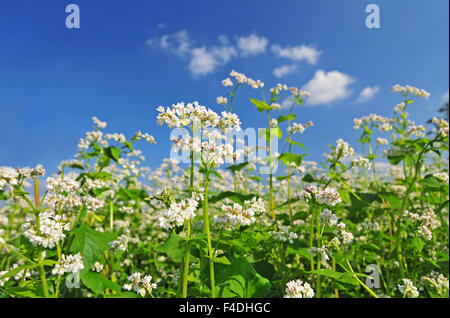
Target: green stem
<point>208,234</point>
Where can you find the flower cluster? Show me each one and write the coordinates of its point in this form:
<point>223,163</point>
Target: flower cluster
<point>361,162</point>
<point>121,243</point>
<point>405,90</point>
<point>139,284</point>
<point>442,124</point>
<point>427,222</point>
<point>327,196</point>
<point>241,79</point>
<point>51,229</point>
<point>343,149</point>
<point>283,234</point>
<point>298,289</point>
<point>68,264</point>
<point>299,128</point>
<point>192,114</point>
<point>408,289</point>
<point>238,215</point>
<point>178,213</point>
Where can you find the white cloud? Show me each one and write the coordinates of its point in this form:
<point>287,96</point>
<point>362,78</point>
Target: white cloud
<point>178,43</point>
<point>367,94</point>
<point>297,53</point>
<point>284,70</point>
<point>204,61</point>
<point>328,87</point>
<point>445,97</point>
<point>252,44</point>
<point>161,25</point>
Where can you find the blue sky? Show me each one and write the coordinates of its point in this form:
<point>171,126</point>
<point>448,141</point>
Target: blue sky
<point>129,57</point>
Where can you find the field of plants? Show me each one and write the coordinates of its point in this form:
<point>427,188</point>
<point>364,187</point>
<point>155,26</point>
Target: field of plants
<point>227,221</point>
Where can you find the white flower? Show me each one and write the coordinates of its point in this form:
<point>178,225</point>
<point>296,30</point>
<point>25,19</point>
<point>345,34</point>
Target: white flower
<point>51,227</point>
<point>361,162</point>
<point>327,217</point>
<point>283,234</point>
<point>100,124</point>
<point>408,289</point>
<point>382,141</point>
<point>98,267</point>
<point>178,213</point>
<point>227,82</point>
<point>121,243</point>
<point>68,264</point>
<point>221,100</point>
<point>139,284</point>
<point>298,289</point>
<point>411,90</point>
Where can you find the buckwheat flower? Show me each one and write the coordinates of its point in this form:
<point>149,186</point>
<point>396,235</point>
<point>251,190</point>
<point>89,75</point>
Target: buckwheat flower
<point>121,243</point>
<point>275,106</point>
<point>343,149</point>
<point>382,141</point>
<point>240,78</point>
<point>227,82</point>
<point>328,196</point>
<point>386,127</point>
<point>299,128</point>
<point>149,138</point>
<point>238,215</point>
<point>116,137</point>
<point>361,162</point>
<point>408,289</point>
<point>322,251</point>
<point>298,289</point>
<point>51,227</point>
<point>178,213</point>
<point>68,264</point>
<point>58,185</point>
<point>140,285</point>
<point>418,131</point>
<point>442,124</point>
<point>438,282</point>
<point>91,184</point>
<point>221,100</point>
<point>443,176</point>
<point>98,267</point>
<point>357,123</point>
<point>4,280</point>
<point>20,274</point>
<point>273,122</point>
<point>283,234</point>
<point>405,90</point>
<point>100,124</point>
<point>93,204</point>
<point>9,175</point>
<point>400,108</point>
<point>327,217</point>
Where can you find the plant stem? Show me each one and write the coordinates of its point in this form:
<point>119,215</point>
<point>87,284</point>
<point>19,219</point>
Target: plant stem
<point>208,234</point>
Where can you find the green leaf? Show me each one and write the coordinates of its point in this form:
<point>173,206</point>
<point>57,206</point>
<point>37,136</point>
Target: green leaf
<point>233,196</point>
<point>238,167</point>
<point>292,142</point>
<point>241,279</point>
<point>342,277</point>
<point>431,182</point>
<point>287,117</point>
<point>98,283</point>
<point>112,152</point>
<point>91,244</point>
<point>222,260</point>
<point>260,105</point>
<point>287,158</point>
<point>174,247</point>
